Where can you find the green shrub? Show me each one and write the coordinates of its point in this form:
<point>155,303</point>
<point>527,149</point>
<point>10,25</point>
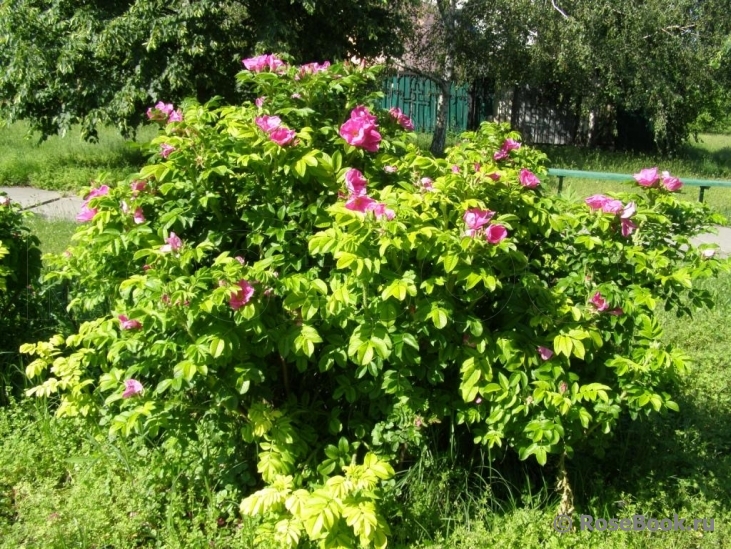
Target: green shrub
<point>316,294</point>
<point>20,269</point>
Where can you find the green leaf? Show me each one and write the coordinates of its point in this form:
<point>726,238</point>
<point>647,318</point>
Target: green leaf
<point>217,347</point>
<point>439,317</point>
<point>563,345</point>
<point>450,263</point>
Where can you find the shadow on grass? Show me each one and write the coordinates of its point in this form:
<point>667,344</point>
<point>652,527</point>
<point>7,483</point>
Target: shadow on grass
<point>679,463</point>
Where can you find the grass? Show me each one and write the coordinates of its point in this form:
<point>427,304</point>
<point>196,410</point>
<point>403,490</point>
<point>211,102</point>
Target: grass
<point>65,163</point>
<point>54,234</point>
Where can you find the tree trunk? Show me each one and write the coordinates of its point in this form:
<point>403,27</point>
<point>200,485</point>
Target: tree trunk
<point>439,140</point>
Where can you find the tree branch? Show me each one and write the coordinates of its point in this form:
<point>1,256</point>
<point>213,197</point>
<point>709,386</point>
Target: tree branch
<point>559,10</point>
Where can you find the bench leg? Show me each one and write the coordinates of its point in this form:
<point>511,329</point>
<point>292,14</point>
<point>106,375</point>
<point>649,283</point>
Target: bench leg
<point>702,193</point>
<point>560,184</point>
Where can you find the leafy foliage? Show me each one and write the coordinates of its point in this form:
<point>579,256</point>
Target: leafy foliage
<point>74,62</point>
<point>20,269</point>
<point>295,273</point>
<point>648,72</point>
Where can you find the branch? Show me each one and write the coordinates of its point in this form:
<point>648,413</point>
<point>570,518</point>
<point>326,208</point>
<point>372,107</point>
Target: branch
<point>419,72</point>
<point>559,10</point>
<point>667,30</point>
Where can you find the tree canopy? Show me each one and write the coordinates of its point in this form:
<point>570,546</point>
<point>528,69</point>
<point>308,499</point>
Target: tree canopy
<point>646,66</point>
<point>92,62</point>
<point>644,71</point>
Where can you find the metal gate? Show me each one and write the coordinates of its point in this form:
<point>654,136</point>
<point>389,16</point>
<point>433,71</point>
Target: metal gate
<point>418,98</point>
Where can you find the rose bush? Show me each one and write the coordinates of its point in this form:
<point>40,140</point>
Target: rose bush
<point>327,296</point>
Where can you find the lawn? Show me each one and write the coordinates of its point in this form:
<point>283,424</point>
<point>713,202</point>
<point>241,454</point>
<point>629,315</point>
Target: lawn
<point>68,162</point>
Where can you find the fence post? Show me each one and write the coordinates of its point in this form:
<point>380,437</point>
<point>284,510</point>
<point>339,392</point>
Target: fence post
<point>702,193</point>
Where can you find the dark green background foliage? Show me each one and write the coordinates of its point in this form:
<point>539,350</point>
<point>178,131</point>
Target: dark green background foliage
<point>20,308</point>
<point>103,62</point>
<point>651,72</point>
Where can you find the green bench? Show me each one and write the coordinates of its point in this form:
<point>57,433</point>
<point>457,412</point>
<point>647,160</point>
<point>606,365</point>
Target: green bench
<point>704,184</point>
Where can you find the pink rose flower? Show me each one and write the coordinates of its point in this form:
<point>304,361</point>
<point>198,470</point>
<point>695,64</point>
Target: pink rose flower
<point>259,102</point>
<point>672,184</point>
<point>390,169</point>
<point>496,233</point>
<point>139,216</point>
<point>166,149</point>
<point>502,154</point>
<point>86,214</point>
<point>160,112</point>
<point>494,176</point>
<point>282,136</point>
<point>242,296</point>
<point>361,112</point>
<point>708,253</point>
<point>475,219</point>
<point>94,193</point>
<point>528,179</point>
<point>4,201</point>
<point>455,168</point>
<point>477,166</point>
<point>312,68</point>
<point>612,206</point>
<point>355,182</point>
<point>380,210</point>
<point>360,130</point>
<point>629,210</point>
<point>176,116</point>
<point>427,184</point>
<point>597,201</point>
<point>545,352</point>
<point>132,387</point>
<point>628,227</point>
<point>510,145</point>
<point>360,203</point>
<point>166,108</point>
<point>599,302</point>
<point>128,324</point>
<point>138,186</point>
<point>263,62</point>
<point>173,244</point>
<point>404,121</point>
<point>268,123</point>
<point>647,177</point>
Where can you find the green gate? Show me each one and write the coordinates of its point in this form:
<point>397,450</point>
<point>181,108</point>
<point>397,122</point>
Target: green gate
<point>417,97</point>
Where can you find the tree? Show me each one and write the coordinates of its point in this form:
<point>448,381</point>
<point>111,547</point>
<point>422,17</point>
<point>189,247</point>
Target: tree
<point>430,53</point>
<point>102,62</point>
<point>635,66</point>
<point>453,40</point>
<point>642,72</point>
